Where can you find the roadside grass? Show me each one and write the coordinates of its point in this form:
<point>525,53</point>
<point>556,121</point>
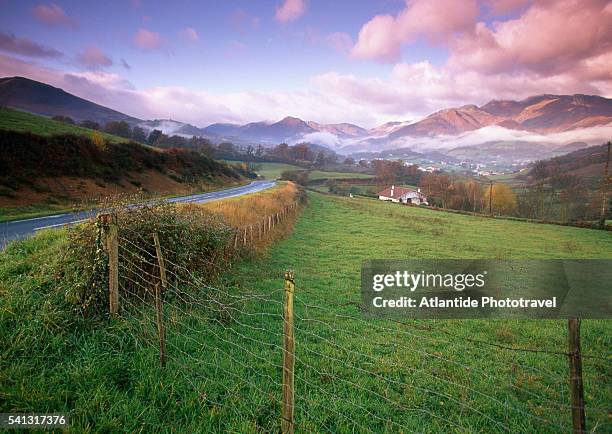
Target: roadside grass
<point>32,211</point>
<point>224,375</point>
<point>16,120</point>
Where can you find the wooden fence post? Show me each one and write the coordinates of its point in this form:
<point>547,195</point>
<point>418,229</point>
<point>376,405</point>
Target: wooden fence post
<point>244,235</point>
<point>287,417</point>
<point>161,332</point>
<point>160,261</point>
<point>259,230</point>
<point>576,386</point>
<point>112,247</point>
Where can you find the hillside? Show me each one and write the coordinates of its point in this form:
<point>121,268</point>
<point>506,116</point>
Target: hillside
<point>541,114</point>
<point>15,120</point>
<point>49,163</point>
<point>587,163</point>
<point>42,99</point>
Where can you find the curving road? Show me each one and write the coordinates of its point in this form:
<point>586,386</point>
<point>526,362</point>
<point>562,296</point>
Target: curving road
<point>19,229</point>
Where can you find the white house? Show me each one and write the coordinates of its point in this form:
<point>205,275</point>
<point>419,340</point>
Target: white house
<point>403,195</point>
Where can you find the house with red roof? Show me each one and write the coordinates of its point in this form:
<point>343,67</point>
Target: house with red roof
<point>403,195</point>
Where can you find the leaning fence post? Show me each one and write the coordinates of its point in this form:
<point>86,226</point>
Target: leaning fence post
<point>160,261</point>
<point>161,332</point>
<point>575,364</point>
<point>112,247</point>
<point>287,420</point>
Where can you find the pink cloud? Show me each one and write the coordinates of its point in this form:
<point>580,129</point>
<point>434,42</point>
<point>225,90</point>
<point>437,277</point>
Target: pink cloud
<point>499,7</point>
<point>290,10</point>
<point>53,15</point>
<point>242,21</point>
<point>148,40</point>
<point>340,42</point>
<point>93,58</point>
<point>190,34</point>
<point>383,36</point>
<point>548,38</point>
<point>26,47</point>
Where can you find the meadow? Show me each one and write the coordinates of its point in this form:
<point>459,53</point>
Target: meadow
<point>353,374</point>
<point>274,171</point>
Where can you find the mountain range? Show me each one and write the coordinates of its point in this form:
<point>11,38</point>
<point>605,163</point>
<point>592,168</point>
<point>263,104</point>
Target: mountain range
<point>553,120</point>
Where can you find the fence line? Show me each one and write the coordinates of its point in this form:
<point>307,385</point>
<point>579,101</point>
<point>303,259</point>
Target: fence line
<point>253,339</point>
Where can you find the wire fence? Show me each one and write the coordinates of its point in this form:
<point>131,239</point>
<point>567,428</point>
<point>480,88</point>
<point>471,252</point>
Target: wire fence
<point>295,359</point>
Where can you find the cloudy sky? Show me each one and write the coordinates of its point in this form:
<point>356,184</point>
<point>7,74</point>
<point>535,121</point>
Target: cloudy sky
<point>364,62</point>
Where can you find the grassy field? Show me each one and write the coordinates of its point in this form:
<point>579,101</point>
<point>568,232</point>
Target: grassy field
<point>274,170</point>
<point>15,120</point>
<point>318,174</point>
<point>352,374</point>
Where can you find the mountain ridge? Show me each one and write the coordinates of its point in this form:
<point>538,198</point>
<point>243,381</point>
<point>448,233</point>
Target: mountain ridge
<point>539,114</point>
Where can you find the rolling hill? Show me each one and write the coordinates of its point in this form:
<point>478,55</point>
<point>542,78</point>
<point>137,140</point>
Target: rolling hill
<point>46,162</point>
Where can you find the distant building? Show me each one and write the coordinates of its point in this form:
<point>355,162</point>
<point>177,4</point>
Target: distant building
<point>403,195</point>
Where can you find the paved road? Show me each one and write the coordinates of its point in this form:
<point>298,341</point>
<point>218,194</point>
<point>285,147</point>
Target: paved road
<point>22,228</point>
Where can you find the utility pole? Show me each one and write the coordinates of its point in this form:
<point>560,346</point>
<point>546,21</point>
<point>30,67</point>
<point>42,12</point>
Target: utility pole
<point>604,191</point>
<point>490,197</point>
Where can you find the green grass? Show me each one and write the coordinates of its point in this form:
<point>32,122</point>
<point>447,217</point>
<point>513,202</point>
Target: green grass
<point>274,171</point>
<point>32,211</point>
<point>222,376</point>
<point>15,120</point>
<point>319,174</point>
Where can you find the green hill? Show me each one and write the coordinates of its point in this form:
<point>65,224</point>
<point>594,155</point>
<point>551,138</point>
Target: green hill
<point>15,120</point>
<point>48,166</point>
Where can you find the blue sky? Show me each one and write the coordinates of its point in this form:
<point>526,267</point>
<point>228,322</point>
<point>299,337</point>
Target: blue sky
<point>360,61</point>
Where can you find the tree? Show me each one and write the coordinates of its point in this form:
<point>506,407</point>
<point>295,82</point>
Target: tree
<point>504,200</point>
<point>153,136</point>
<point>91,125</point>
<point>119,128</point>
<point>227,147</point>
<point>64,119</point>
<point>348,161</point>
<point>98,140</point>
<point>321,159</point>
<point>138,134</point>
<point>297,176</point>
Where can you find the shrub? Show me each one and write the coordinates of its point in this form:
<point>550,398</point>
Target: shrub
<point>195,246</point>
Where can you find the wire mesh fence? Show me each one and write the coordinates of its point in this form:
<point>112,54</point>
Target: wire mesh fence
<point>293,359</point>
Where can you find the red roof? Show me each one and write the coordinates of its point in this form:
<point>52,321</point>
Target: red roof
<point>397,192</point>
